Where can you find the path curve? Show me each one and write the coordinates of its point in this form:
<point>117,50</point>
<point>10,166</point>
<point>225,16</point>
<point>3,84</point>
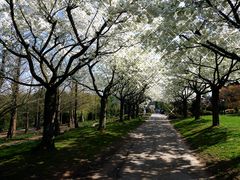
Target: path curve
<point>154,151</point>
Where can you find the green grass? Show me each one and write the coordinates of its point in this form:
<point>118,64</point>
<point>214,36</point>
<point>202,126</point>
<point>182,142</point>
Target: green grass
<point>19,137</point>
<point>74,148</point>
<point>219,146</point>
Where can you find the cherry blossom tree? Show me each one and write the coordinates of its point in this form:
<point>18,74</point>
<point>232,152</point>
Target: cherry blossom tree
<point>58,38</point>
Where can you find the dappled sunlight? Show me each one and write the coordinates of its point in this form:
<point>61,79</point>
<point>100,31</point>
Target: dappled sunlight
<point>158,117</point>
<point>154,152</point>
<point>78,152</point>
<point>136,136</point>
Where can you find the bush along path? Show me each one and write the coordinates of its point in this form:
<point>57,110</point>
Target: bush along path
<point>154,151</point>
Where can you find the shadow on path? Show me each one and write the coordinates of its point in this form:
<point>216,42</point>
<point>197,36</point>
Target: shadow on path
<point>154,151</point>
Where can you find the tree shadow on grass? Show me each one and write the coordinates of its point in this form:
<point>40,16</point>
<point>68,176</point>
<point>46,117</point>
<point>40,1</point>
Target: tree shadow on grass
<point>201,136</point>
<point>79,151</point>
<point>50,165</point>
<point>207,137</point>
<point>188,125</point>
<point>229,169</point>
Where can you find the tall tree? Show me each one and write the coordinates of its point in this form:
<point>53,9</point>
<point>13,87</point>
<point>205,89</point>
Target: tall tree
<point>75,104</point>
<point>135,99</point>
<point>57,115</point>
<point>103,91</point>
<point>199,88</point>
<point>220,72</point>
<point>14,104</point>
<point>73,121</point>
<point>123,90</point>
<point>56,45</point>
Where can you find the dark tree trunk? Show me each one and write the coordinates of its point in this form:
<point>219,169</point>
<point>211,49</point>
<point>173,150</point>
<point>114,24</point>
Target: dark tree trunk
<point>13,123</point>
<point>3,124</point>
<point>185,108</point>
<point>133,110</point>
<point>197,108</point>
<point>60,117</point>
<point>38,116</point>
<point>137,110</point>
<point>38,121</point>
<point>15,93</point>
<point>125,111</point>
<point>71,111</point>
<point>121,110</point>
<point>76,105</point>
<point>50,106</point>
<point>2,68</point>
<point>57,118</point>
<point>71,118</point>
<point>129,111</point>
<point>103,113</point>
<point>215,106</point>
<point>26,122</point>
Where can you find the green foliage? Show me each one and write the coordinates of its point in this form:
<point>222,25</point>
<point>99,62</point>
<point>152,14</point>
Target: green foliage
<point>73,148</point>
<point>88,108</point>
<point>219,146</point>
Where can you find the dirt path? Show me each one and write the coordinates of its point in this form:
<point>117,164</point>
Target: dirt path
<point>154,151</point>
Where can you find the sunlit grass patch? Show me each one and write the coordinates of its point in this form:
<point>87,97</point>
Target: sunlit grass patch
<point>215,144</point>
<point>19,137</point>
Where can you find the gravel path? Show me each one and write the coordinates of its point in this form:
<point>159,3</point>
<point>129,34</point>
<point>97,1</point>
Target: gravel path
<point>154,151</point>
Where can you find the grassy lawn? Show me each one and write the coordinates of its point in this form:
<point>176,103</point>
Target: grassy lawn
<point>219,146</point>
<point>75,149</point>
<point>19,137</point>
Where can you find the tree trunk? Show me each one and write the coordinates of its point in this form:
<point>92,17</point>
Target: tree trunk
<point>121,110</point>
<point>71,111</point>
<point>57,118</point>
<point>38,116</point>
<point>103,113</point>
<point>13,122</point>
<point>2,68</point>
<point>133,110</point>
<point>2,125</point>
<point>50,106</point>
<point>215,106</point>
<point>15,93</point>
<point>60,117</point>
<point>38,121</point>
<point>137,110</point>
<point>185,108</point>
<point>71,118</point>
<point>129,111</point>
<point>26,122</point>
<point>76,106</point>
<point>197,109</point>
